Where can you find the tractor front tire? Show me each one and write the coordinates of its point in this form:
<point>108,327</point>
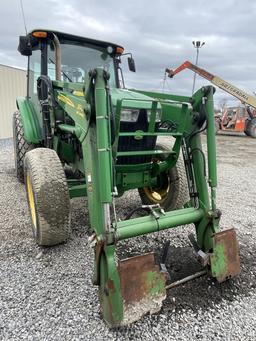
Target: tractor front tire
<point>251,128</point>
<point>21,146</point>
<point>48,196</point>
<point>173,193</point>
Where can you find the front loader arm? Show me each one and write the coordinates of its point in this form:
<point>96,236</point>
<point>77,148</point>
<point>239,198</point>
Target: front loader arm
<point>130,288</point>
<point>219,82</point>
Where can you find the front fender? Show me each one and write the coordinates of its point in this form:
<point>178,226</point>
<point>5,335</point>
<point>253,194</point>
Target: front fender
<point>31,127</point>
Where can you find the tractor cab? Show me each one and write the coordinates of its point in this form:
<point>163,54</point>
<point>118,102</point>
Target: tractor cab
<point>56,56</point>
<point>68,58</point>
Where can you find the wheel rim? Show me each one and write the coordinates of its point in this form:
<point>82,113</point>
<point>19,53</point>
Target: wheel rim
<point>31,201</point>
<point>158,194</point>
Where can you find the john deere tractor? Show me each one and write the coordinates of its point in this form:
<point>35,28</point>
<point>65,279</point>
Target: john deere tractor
<point>79,132</point>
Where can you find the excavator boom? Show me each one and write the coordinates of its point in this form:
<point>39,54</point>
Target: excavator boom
<point>221,83</point>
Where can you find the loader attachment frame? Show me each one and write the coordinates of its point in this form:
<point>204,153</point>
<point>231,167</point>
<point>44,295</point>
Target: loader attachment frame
<point>83,124</point>
<point>119,306</point>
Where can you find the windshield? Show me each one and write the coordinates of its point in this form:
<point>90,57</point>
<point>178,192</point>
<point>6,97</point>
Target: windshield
<point>78,59</point>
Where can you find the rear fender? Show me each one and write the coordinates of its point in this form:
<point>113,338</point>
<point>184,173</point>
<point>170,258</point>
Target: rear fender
<point>31,127</point>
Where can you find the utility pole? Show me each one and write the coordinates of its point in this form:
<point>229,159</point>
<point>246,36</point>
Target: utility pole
<point>197,44</point>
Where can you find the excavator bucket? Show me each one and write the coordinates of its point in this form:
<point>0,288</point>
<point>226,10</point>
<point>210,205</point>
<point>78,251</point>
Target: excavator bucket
<point>142,286</point>
<point>225,260</point>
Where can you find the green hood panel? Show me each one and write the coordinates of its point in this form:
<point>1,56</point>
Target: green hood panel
<point>131,99</point>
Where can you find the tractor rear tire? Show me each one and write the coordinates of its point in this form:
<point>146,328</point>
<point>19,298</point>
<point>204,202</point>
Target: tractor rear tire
<point>174,193</point>
<point>48,196</point>
<point>21,146</point>
<point>251,128</point>
<point>246,133</point>
<point>246,127</point>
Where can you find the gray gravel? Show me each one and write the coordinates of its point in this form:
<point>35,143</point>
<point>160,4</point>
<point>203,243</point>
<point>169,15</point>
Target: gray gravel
<point>46,293</point>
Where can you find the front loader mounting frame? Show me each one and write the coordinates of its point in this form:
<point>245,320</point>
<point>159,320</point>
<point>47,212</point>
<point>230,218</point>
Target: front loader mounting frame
<point>95,137</point>
<point>84,127</point>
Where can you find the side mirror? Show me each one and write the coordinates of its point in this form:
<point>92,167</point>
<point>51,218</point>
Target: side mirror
<point>24,47</point>
<point>131,64</point>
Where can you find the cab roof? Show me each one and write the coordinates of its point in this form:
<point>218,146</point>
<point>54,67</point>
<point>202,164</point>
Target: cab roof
<point>67,36</point>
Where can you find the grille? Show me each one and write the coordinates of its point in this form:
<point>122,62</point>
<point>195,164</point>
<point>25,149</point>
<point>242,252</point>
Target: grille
<point>129,143</point>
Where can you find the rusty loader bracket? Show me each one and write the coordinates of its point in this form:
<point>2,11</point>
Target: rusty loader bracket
<point>225,260</point>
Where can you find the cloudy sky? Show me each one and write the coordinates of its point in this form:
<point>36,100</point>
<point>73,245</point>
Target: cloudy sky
<point>158,33</point>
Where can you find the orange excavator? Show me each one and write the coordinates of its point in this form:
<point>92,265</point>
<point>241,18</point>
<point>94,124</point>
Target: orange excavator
<point>235,120</point>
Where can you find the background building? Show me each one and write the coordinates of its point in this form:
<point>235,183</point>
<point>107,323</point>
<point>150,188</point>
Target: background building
<point>12,85</point>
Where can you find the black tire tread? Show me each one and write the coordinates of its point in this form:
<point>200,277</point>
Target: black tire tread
<point>251,128</point>
<point>21,146</point>
<point>51,196</point>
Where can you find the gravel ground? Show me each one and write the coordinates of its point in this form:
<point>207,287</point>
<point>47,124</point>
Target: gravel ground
<point>46,293</point>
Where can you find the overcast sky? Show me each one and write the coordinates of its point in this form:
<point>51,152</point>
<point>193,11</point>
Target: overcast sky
<point>158,33</point>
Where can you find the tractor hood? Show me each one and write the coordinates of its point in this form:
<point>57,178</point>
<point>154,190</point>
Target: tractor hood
<point>131,99</point>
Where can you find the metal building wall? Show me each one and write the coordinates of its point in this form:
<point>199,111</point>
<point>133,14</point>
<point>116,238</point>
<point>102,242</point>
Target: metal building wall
<point>12,84</point>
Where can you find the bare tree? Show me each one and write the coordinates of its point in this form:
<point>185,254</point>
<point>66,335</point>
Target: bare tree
<point>223,104</point>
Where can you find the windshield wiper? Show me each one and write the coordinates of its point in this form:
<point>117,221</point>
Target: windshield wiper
<point>64,74</point>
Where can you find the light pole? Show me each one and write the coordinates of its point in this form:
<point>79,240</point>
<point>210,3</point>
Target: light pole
<point>197,44</point>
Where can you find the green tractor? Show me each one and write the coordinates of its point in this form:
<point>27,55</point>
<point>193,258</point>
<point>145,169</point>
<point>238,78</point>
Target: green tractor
<point>79,132</point>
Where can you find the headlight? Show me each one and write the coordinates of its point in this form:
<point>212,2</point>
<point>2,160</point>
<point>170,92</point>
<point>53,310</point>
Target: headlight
<point>158,115</point>
<point>129,115</point>
<point>132,115</point>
